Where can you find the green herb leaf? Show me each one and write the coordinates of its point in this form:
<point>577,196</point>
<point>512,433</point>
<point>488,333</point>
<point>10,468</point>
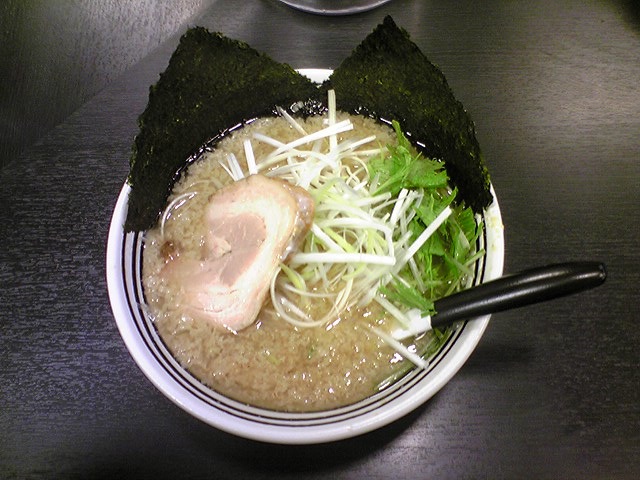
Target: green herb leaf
<point>407,295</point>
<point>406,168</point>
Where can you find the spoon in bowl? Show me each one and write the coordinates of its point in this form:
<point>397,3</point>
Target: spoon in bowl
<point>511,291</point>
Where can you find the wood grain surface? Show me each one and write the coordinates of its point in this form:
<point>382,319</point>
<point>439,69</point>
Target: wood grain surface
<point>552,391</point>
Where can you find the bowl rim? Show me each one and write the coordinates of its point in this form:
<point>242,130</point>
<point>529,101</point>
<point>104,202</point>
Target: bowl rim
<point>373,417</point>
<point>329,7</point>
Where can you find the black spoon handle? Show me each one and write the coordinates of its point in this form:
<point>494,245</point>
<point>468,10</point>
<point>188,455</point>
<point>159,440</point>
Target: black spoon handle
<point>511,291</point>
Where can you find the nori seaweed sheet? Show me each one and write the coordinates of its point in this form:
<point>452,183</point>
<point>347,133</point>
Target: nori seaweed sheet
<point>388,77</point>
<point>211,84</point>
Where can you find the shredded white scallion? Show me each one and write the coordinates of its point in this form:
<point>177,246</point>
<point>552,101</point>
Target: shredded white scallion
<point>401,348</point>
<point>175,203</point>
<point>359,239</point>
<point>292,121</point>
<point>232,167</point>
<point>251,159</point>
<point>424,236</point>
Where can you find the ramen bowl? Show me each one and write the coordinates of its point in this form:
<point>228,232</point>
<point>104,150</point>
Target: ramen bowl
<point>126,291</point>
<point>124,260</point>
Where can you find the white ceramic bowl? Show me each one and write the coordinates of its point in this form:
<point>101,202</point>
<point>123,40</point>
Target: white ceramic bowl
<point>124,260</point>
<point>334,7</point>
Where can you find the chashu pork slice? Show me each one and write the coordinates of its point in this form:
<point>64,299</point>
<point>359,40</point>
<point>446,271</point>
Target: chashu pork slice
<point>252,225</point>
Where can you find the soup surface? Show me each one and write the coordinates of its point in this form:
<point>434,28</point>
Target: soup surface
<point>270,364</point>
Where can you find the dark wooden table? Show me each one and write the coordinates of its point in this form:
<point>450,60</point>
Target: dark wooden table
<point>552,391</point>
